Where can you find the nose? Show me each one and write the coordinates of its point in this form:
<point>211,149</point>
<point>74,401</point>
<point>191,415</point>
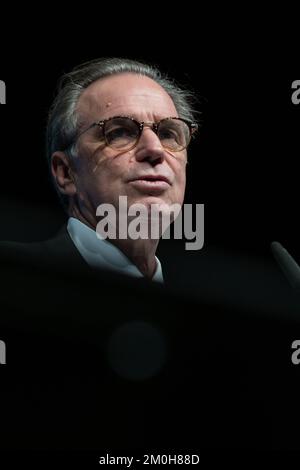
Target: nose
<point>149,147</point>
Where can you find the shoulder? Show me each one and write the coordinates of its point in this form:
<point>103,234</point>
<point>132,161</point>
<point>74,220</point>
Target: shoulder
<point>50,253</point>
<point>10,250</point>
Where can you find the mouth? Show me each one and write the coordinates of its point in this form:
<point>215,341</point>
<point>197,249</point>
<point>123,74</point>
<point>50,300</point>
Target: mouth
<point>151,183</point>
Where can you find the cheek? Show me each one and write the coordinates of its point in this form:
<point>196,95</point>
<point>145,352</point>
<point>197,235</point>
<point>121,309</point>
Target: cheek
<point>180,177</point>
<point>180,193</point>
<point>178,189</point>
<point>182,183</point>
<point>98,166</point>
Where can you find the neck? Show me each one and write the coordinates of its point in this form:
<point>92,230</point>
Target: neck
<point>141,252</point>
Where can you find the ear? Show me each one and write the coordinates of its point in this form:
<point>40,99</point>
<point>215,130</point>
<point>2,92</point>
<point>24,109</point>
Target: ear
<point>61,169</point>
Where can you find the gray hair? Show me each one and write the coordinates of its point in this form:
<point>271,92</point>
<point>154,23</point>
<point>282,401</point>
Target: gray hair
<point>62,127</point>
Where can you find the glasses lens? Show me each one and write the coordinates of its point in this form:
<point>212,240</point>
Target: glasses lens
<point>174,134</point>
<point>121,133</point>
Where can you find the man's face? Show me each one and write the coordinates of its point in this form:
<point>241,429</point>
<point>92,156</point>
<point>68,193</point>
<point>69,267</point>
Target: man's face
<point>103,173</point>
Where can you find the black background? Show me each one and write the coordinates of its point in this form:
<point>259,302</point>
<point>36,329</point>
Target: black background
<point>243,167</point>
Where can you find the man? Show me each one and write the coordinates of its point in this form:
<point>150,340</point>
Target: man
<point>91,164</point>
<point>117,128</point>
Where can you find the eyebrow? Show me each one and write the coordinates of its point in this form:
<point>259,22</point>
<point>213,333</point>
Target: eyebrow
<point>136,118</point>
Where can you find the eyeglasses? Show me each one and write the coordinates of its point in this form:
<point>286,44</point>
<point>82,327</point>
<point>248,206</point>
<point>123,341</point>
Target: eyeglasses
<point>124,132</point>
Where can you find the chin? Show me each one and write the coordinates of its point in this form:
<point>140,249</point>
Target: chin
<point>149,200</point>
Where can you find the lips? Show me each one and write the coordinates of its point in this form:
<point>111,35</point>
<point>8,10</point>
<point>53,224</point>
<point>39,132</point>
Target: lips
<point>152,178</point>
<point>151,184</point>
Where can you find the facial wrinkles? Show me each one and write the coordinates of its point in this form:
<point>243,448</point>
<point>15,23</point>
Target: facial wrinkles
<point>151,105</point>
<point>147,107</point>
<point>117,108</point>
<point>104,154</point>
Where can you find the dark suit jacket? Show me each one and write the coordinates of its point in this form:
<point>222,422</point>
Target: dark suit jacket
<point>210,274</point>
<point>223,331</point>
<point>56,253</point>
<point>57,318</point>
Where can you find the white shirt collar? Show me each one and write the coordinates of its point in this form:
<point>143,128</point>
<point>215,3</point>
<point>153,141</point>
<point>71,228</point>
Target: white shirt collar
<point>102,254</point>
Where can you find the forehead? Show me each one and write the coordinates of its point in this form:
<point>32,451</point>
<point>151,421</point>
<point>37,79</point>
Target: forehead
<point>130,94</point>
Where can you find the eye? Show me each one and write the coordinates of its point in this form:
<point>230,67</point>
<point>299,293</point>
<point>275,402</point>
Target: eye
<point>120,132</point>
<point>174,133</point>
<point>168,134</point>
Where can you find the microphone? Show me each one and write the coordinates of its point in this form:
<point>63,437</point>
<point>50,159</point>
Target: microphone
<point>287,264</point>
